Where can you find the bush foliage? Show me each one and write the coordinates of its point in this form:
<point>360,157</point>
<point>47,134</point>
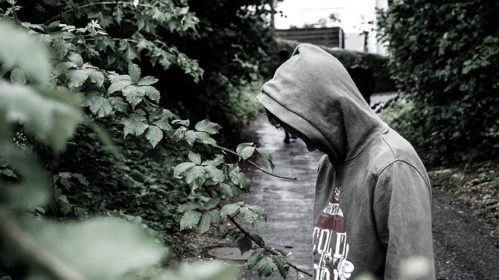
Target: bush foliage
<point>377,63</point>
<point>445,57</point>
<point>99,93</point>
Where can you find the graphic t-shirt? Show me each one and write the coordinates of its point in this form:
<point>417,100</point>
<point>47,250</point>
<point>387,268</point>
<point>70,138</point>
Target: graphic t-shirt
<point>331,243</point>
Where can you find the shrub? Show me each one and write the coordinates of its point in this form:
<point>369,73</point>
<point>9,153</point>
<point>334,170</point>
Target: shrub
<point>445,56</point>
<point>378,63</point>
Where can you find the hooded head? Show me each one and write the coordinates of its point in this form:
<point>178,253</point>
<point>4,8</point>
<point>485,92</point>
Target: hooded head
<point>313,93</point>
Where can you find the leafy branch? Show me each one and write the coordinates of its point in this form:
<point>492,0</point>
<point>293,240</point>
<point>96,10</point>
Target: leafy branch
<point>270,250</point>
<point>255,165</point>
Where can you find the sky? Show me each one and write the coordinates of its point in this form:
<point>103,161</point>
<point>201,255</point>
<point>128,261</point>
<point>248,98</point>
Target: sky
<point>300,12</point>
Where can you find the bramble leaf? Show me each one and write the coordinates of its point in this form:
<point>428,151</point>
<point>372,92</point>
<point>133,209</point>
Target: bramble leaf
<point>208,127</point>
<point>194,157</point>
<point>118,85</point>
<point>99,105</point>
<point>230,209</point>
<point>154,135</point>
<point>181,168</point>
<point>152,93</point>
<point>265,267</point>
<point>255,257</point>
<point>147,81</point>
<point>245,150</point>
<point>134,125</point>
<point>190,219</point>
<point>244,244</point>
<point>134,72</point>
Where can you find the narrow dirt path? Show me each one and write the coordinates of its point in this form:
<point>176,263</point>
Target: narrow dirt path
<point>462,250</point>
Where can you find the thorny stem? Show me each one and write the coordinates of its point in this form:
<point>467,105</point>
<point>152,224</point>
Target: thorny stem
<point>58,269</point>
<point>256,166</point>
<point>266,248</point>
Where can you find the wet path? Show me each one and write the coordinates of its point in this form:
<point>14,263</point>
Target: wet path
<point>462,252</point>
<point>289,204</point>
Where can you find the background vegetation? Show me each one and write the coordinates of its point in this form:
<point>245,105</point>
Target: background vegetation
<point>445,56</point>
<point>111,98</point>
<point>377,63</point>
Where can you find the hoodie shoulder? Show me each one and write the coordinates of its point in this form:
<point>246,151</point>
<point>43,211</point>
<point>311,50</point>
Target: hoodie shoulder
<point>391,148</point>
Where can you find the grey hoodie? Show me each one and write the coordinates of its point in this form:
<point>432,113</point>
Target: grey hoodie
<point>373,199</point>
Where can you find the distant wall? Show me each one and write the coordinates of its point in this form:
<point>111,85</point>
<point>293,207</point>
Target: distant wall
<point>332,37</point>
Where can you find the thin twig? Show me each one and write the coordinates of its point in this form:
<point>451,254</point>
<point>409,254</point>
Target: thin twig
<point>255,165</point>
<point>58,269</point>
<point>268,249</point>
<point>177,151</point>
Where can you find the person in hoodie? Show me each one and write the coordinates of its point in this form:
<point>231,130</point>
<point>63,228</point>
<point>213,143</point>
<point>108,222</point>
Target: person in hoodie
<point>372,208</point>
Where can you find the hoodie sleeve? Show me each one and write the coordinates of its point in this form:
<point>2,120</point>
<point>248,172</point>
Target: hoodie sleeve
<point>402,210</point>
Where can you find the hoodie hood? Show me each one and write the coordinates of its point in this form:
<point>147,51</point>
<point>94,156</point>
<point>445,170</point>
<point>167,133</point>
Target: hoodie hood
<point>313,93</point>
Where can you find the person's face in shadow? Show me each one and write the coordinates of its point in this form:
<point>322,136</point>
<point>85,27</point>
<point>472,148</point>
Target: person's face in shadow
<point>276,122</point>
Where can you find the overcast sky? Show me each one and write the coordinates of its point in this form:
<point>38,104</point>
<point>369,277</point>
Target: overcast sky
<point>300,12</point>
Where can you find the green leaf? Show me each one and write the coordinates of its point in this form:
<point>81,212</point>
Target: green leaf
<point>102,253</point>
<point>219,159</point>
<point>207,219</point>
<point>181,168</point>
<point>258,238</point>
<point>18,48</point>
<point>196,173</point>
<point>152,93</point>
<point>215,174</point>
<point>265,267</point>
<point>134,125</point>
<point>77,78</point>
<point>99,105</point>
<point>96,77</point>
<point>50,120</point>
<point>245,150</point>
<point>118,103</point>
<point>188,206</point>
<point>230,209</point>
<point>281,265</point>
<point>194,157</point>
<point>255,257</point>
<point>134,72</point>
<point>190,219</point>
<point>164,124</point>
<point>76,59</point>
<point>147,81</point>
<point>205,138</point>
<point>208,127</point>
<point>214,201</point>
<point>17,76</point>
<point>253,213</point>
<point>154,135</point>
<point>134,95</point>
<point>118,85</point>
<point>226,190</point>
<point>33,189</point>
<point>266,156</point>
<point>244,244</point>
<point>190,137</point>
<point>181,122</point>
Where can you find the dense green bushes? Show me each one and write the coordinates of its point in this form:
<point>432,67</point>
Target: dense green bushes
<point>445,57</point>
<point>129,72</point>
<point>378,63</point>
